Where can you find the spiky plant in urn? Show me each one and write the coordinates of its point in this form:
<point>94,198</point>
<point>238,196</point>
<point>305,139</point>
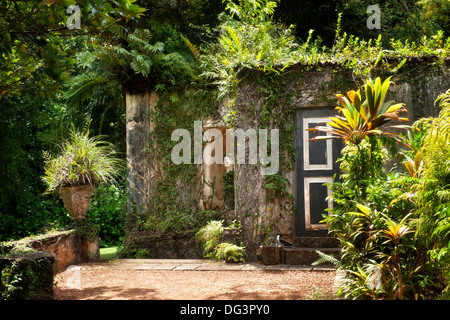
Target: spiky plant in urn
<point>82,163</point>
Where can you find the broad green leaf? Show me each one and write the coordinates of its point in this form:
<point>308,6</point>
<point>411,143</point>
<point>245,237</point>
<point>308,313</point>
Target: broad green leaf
<point>108,7</point>
<point>363,209</point>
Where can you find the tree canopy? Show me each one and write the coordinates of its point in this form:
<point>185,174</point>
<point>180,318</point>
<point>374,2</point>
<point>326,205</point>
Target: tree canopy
<point>37,37</point>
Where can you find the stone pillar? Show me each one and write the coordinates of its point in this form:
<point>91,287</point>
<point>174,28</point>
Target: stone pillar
<point>138,128</point>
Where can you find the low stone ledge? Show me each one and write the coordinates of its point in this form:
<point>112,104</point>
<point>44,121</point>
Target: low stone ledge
<point>67,247</point>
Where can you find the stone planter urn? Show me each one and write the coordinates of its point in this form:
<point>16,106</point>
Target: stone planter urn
<point>270,254</point>
<point>76,200</point>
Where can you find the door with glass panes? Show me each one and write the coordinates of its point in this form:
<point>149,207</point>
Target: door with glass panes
<point>315,166</point>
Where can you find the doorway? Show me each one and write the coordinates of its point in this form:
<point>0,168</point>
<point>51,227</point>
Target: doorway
<point>315,166</point>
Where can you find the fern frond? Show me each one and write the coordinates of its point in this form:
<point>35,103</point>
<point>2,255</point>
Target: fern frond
<point>194,50</point>
<point>139,38</point>
<point>326,258</point>
<point>82,87</point>
<point>141,64</point>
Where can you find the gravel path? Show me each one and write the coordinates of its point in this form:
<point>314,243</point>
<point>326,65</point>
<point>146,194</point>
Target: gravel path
<point>192,280</point>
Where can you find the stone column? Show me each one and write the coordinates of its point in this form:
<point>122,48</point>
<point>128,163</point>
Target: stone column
<point>138,128</point>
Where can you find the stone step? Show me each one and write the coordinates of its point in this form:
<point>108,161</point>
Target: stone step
<point>306,256</point>
<point>315,242</point>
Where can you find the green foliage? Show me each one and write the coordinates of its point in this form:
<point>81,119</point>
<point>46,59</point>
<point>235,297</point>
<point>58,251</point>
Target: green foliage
<point>326,258</point>
<point>108,210</point>
<point>435,16</point>
<point>82,160</point>
<point>27,125</point>
<point>26,276</point>
<point>230,252</point>
<point>210,237</point>
<point>109,253</point>
<point>276,187</point>
<point>374,246</point>
<point>166,60</point>
<point>156,57</point>
<point>433,194</point>
<point>248,38</point>
<point>35,41</point>
<point>385,223</point>
<point>94,95</point>
<point>86,229</point>
<point>402,20</point>
<point>361,165</point>
<point>142,254</point>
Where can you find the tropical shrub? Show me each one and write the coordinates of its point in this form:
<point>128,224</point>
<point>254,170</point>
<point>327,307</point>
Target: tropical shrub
<point>362,118</point>
<point>433,190</point>
<point>392,227</point>
<point>395,236</point>
<point>210,237</point>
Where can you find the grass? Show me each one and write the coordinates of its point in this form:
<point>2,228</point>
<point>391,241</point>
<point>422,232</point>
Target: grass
<point>109,253</point>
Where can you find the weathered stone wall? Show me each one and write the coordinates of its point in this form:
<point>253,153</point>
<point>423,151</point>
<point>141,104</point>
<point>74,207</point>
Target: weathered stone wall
<point>305,88</point>
<point>419,86</point>
<point>171,245</point>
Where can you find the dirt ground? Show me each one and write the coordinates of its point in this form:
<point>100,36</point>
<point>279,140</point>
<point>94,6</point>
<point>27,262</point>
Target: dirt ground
<point>105,283</point>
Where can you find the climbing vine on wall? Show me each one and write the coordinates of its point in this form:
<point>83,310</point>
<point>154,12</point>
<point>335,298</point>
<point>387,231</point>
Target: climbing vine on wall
<point>174,204</point>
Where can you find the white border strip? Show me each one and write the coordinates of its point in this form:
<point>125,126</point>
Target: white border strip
<point>307,182</point>
<point>329,146</point>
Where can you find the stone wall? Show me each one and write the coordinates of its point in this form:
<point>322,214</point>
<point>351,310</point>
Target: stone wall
<point>419,86</point>
<point>170,245</point>
<point>138,127</point>
<point>305,88</point>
